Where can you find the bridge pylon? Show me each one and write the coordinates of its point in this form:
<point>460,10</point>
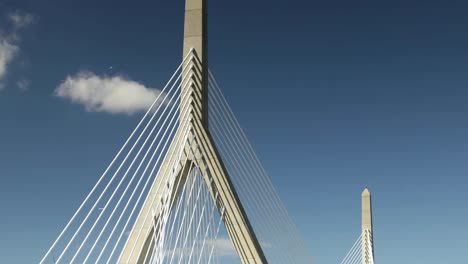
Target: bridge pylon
<point>206,160</point>
<point>367,244</point>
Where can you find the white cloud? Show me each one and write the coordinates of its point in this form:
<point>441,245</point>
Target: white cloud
<point>7,53</point>
<point>114,95</point>
<point>20,20</point>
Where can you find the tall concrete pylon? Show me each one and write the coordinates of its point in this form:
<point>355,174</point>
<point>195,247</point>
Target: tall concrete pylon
<point>209,162</point>
<point>367,230</point>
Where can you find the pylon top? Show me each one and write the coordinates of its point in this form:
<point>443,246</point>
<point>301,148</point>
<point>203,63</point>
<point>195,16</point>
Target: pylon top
<point>366,192</point>
<point>195,40</point>
<point>366,210</point>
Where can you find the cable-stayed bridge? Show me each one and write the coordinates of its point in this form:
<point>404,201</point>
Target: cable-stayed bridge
<point>187,186</point>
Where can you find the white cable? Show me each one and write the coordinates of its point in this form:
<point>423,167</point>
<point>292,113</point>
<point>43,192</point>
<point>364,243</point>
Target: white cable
<point>215,237</point>
<point>208,228</point>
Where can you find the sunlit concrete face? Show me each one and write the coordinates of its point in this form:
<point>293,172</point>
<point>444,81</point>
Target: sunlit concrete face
<point>366,210</point>
<point>367,231</point>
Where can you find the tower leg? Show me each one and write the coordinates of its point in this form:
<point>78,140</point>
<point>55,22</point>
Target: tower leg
<point>235,219</point>
<point>141,238</point>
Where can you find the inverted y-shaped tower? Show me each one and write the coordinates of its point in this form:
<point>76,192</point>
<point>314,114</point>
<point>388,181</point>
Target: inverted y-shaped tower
<point>156,201</point>
<point>195,98</point>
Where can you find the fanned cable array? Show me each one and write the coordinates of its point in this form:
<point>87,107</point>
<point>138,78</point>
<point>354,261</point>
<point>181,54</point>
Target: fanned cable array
<point>275,229</point>
<point>361,252</point>
<point>354,255</point>
<point>99,228</point>
<point>170,196</point>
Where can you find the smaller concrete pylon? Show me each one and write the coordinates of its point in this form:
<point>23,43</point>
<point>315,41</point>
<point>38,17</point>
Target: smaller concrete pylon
<point>367,228</point>
<point>366,210</point>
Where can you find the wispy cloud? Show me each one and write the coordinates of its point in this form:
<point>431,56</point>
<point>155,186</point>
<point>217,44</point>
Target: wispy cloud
<point>7,53</point>
<point>222,247</point>
<point>23,85</point>
<point>116,94</point>
<point>9,46</point>
<point>21,19</point>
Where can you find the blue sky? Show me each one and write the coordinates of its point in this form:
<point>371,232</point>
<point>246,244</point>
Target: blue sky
<point>334,96</point>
